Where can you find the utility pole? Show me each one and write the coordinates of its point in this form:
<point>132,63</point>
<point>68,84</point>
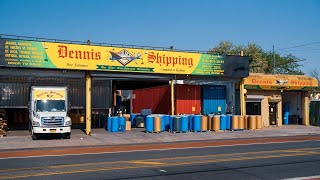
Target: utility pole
<point>274,61</point>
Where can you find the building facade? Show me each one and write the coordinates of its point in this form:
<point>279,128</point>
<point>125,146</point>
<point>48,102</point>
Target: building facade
<point>279,99</point>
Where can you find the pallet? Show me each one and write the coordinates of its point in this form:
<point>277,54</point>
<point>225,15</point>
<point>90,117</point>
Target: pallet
<point>236,129</point>
<point>254,129</point>
<point>3,133</point>
<point>199,131</point>
<point>179,131</point>
<point>218,130</point>
<point>3,127</point>
<point>156,132</point>
<point>3,121</point>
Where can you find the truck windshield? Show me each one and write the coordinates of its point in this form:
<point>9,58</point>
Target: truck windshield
<point>50,106</point>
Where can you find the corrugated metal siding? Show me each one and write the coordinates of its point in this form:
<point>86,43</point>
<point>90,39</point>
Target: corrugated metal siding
<point>77,93</point>
<point>14,95</point>
<point>187,99</point>
<point>237,102</point>
<point>156,98</point>
<point>15,90</point>
<point>213,99</point>
<point>101,94</point>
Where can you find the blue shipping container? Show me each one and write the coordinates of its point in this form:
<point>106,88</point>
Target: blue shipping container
<point>214,99</point>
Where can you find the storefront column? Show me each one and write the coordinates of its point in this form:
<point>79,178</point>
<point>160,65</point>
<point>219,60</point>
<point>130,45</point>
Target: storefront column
<point>172,97</point>
<point>305,108</point>
<point>242,92</point>
<point>88,103</point>
<point>242,98</point>
<point>114,96</point>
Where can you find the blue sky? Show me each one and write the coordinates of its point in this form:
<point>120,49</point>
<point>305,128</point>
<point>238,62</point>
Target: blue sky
<point>184,24</point>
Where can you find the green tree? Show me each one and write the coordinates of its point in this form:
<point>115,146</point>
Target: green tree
<point>257,61</point>
<point>260,61</point>
<point>287,64</point>
<point>315,73</point>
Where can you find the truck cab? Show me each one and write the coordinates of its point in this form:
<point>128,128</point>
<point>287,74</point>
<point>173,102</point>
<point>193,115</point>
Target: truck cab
<point>48,112</point>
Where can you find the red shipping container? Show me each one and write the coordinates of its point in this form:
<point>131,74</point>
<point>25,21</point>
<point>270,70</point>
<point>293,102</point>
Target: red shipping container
<point>158,99</point>
<point>187,99</point>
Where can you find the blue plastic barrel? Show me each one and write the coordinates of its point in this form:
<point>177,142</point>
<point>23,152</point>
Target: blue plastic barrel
<point>176,124</point>
<point>166,122</point>
<point>228,127</point>
<point>286,113</point>
<point>133,119</point>
<point>149,123</point>
<point>223,122</point>
<point>109,124</point>
<point>196,124</point>
<point>170,121</point>
<point>190,122</point>
<point>184,123</point>
<point>122,124</point>
<point>286,108</point>
<point>163,124</point>
<point>286,117</point>
<point>114,124</point>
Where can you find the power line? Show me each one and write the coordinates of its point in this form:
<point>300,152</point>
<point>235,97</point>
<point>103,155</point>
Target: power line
<point>300,50</point>
<point>299,46</point>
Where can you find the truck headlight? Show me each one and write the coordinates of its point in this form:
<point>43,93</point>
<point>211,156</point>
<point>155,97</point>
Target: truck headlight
<point>37,116</point>
<point>68,123</point>
<point>35,123</point>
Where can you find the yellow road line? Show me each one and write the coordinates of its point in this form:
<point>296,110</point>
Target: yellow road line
<point>160,165</point>
<point>145,162</point>
<point>156,159</point>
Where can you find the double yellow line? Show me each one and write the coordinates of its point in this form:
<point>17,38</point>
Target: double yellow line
<point>145,163</point>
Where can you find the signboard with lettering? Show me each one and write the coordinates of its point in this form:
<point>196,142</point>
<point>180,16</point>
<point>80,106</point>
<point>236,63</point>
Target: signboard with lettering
<point>280,82</point>
<point>17,53</point>
<point>40,94</point>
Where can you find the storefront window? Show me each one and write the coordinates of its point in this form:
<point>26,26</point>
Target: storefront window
<point>253,108</point>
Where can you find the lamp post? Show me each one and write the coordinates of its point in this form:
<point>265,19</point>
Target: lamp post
<point>274,61</point>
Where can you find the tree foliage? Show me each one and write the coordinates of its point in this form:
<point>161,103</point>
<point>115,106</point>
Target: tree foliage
<point>261,61</point>
<point>315,73</point>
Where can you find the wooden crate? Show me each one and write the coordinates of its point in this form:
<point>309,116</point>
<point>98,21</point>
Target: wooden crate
<point>3,133</point>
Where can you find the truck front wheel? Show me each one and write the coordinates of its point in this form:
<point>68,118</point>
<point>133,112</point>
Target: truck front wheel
<point>67,135</point>
<point>35,136</point>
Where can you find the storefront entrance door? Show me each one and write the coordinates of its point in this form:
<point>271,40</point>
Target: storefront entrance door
<point>273,113</point>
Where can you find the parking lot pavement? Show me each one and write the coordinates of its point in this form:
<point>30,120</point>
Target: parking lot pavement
<point>22,139</point>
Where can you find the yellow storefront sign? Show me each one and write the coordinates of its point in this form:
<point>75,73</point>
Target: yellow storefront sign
<point>274,82</point>
<point>52,55</point>
<point>49,94</point>
<point>70,56</point>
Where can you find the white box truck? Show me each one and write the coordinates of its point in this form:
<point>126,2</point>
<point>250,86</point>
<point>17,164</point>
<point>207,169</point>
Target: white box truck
<point>48,111</point>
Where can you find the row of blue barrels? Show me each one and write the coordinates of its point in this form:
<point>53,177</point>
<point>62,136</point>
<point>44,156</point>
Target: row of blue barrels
<point>165,125</point>
<point>116,124</point>
<point>200,123</point>
<point>196,123</point>
<point>155,123</point>
<point>184,123</point>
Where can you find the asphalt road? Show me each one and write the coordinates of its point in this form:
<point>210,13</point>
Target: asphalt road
<point>264,161</point>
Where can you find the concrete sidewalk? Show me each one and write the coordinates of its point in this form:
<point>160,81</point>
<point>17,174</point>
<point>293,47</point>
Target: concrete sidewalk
<point>22,140</point>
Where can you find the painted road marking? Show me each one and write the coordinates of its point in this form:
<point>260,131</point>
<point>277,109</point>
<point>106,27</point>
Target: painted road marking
<point>305,178</point>
<point>145,162</point>
<point>301,150</point>
<point>192,162</point>
<point>156,149</point>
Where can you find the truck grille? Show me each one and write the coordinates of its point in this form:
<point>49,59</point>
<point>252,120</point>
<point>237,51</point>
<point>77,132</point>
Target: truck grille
<point>52,121</point>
